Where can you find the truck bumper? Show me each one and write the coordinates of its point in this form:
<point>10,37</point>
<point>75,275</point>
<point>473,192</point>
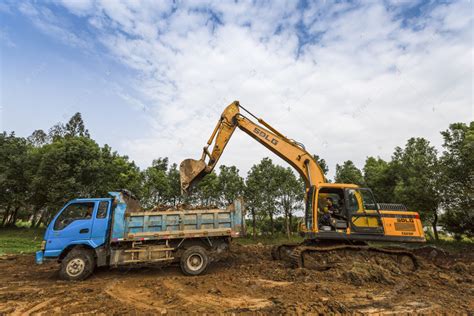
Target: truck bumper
<point>39,257</point>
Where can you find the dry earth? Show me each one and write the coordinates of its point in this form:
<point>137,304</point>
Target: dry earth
<point>246,280</point>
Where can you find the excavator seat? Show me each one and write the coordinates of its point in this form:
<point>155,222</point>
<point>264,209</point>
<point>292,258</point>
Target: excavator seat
<point>340,224</point>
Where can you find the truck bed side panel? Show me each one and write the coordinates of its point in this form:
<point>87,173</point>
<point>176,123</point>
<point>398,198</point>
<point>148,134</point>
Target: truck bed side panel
<point>176,223</point>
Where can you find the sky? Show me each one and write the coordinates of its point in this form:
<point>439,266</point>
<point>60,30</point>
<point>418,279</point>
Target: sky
<point>151,78</point>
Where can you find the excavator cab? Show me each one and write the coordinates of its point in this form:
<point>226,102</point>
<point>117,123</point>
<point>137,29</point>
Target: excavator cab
<point>354,212</point>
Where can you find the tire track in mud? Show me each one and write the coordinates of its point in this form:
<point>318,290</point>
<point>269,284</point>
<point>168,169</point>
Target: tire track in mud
<point>32,309</point>
<point>138,298</point>
<point>216,300</point>
<point>245,280</point>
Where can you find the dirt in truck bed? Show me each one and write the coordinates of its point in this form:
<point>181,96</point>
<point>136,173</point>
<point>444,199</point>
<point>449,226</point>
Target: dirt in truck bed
<point>247,280</point>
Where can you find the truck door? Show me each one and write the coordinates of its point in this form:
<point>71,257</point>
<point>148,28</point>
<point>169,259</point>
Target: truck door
<point>101,223</point>
<point>364,216</point>
<point>73,225</point>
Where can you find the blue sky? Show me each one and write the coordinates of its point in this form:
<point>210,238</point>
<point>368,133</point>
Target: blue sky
<point>348,79</point>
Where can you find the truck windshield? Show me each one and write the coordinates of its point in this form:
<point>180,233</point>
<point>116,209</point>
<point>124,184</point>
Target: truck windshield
<point>73,212</point>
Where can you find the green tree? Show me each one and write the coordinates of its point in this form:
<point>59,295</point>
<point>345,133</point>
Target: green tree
<point>261,192</point>
<point>38,199</point>
<point>418,179</point>
<point>348,173</point>
<point>117,172</point>
<point>69,168</point>
<point>230,184</point>
<point>175,186</point>
<point>156,185</point>
<point>252,195</point>
<point>207,190</point>
<point>14,177</point>
<point>457,184</point>
<point>76,127</point>
<point>38,138</point>
<point>322,163</point>
<point>381,178</point>
<point>289,195</point>
<point>56,132</point>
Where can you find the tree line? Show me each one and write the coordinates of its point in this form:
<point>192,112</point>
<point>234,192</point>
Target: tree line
<point>38,174</point>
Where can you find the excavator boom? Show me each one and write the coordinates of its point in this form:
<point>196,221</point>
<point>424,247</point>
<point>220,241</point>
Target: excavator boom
<point>191,170</point>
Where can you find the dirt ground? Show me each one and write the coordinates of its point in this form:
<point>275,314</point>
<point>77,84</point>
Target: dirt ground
<point>247,280</point>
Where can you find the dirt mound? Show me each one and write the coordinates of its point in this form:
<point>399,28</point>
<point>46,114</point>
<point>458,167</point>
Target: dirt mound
<point>246,280</point>
<point>180,207</point>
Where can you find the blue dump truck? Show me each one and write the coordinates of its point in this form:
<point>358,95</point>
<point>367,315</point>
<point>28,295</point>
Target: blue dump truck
<point>115,231</point>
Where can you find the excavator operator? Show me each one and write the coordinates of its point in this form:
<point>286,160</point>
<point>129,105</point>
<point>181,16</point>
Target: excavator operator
<point>327,213</point>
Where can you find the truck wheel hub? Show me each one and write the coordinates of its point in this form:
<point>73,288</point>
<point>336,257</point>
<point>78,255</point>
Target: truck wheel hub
<point>75,267</point>
<point>195,262</point>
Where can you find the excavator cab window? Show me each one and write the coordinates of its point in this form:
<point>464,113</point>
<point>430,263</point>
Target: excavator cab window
<point>363,211</point>
<point>332,213</point>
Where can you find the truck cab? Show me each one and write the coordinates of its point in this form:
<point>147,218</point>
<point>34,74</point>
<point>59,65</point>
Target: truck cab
<point>80,222</point>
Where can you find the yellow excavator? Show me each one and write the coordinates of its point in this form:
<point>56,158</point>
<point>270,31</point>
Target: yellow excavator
<point>338,216</point>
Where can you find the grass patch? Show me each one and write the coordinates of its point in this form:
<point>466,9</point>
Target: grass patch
<point>446,243</point>
<point>269,240</point>
<point>465,245</point>
<point>20,240</point>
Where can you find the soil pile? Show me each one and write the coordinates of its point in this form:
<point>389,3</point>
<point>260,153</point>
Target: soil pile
<point>246,279</point>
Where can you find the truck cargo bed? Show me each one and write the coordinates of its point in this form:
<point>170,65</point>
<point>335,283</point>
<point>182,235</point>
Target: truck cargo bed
<point>170,224</point>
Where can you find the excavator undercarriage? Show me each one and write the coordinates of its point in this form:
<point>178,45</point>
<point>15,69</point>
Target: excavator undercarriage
<point>323,256</point>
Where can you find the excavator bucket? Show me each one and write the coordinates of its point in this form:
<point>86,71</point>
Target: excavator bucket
<point>190,171</point>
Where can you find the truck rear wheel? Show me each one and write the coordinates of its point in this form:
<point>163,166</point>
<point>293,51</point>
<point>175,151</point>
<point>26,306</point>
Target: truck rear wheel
<point>194,260</point>
<point>77,265</point>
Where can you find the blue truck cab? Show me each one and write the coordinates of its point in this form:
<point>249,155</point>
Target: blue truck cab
<point>80,222</point>
<point>113,231</point>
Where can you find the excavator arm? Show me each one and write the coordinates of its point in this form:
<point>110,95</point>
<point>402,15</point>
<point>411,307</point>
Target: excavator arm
<point>191,171</point>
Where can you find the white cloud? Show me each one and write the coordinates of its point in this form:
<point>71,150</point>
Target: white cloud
<point>363,83</point>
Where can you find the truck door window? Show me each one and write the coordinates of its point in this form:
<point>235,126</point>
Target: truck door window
<point>102,209</point>
<point>73,212</point>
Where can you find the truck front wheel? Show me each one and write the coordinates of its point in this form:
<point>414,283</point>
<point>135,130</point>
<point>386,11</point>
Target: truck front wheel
<point>194,260</point>
<point>77,265</point>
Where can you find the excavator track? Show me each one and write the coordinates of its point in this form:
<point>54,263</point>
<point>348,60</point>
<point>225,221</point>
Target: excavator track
<point>279,251</point>
<point>297,255</point>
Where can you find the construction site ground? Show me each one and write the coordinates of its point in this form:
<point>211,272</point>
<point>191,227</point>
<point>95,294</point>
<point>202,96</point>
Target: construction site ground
<point>247,280</point>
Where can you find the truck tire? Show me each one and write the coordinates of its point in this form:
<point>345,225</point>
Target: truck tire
<point>194,260</point>
<point>77,265</point>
